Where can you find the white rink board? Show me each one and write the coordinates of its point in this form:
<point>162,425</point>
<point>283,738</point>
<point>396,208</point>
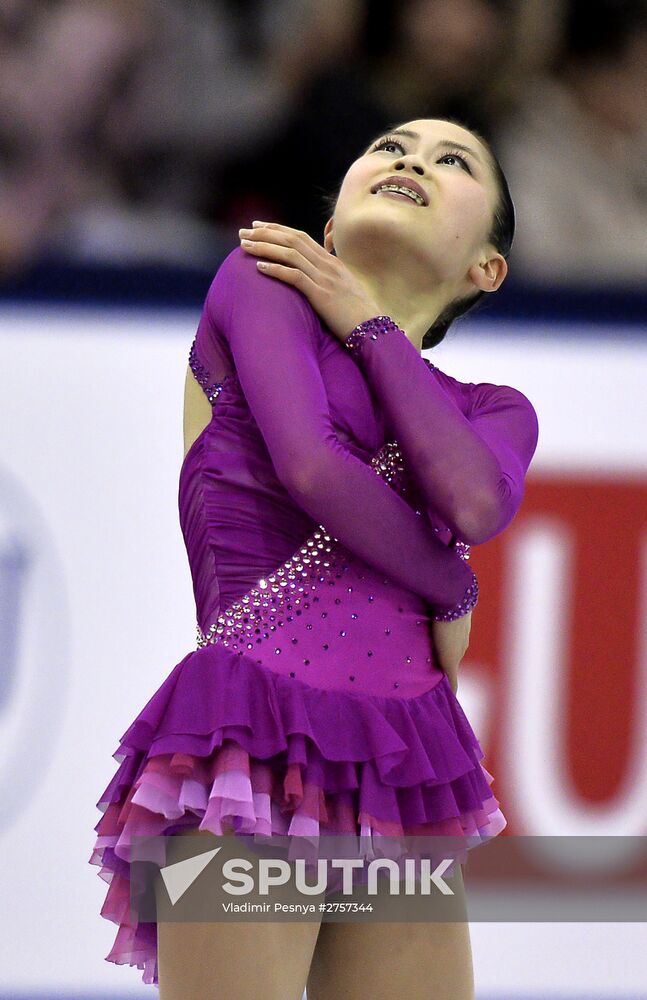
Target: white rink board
<point>100,606</point>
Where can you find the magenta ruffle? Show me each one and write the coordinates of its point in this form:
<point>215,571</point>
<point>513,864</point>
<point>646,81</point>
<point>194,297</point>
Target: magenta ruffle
<point>226,743</point>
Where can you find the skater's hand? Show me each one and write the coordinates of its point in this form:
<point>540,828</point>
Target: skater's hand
<point>450,641</point>
<point>292,256</point>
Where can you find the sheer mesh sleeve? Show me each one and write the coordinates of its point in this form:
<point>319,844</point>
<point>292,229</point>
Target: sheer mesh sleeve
<point>271,330</point>
<point>469,467</point>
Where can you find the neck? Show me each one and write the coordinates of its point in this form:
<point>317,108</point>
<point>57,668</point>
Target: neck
<point>413,311</point>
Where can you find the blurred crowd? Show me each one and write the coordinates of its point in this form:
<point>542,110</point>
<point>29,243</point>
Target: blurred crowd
<point>150,130</point>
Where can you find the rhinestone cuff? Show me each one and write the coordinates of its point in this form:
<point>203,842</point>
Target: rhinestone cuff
<point>371,328</point>
<point>464,607</point>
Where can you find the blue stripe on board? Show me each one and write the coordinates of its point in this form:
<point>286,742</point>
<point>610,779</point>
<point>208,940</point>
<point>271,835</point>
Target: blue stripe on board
<point>166,286</point>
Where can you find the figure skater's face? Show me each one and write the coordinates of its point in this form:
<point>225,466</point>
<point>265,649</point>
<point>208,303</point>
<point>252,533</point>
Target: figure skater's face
<point>440,238</point>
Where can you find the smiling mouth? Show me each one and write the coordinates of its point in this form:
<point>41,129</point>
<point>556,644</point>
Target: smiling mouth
<point>398,194</point>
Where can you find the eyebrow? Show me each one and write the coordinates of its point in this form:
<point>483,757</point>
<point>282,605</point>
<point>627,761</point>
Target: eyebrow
<point>445,143</point>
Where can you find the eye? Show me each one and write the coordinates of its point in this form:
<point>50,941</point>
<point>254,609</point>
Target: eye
<point>388,141</point>
<point>457,156</point>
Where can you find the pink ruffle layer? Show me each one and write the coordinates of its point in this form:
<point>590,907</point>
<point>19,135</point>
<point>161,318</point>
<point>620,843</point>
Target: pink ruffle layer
<point>434,785</point>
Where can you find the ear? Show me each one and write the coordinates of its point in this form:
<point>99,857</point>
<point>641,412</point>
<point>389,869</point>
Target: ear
<point>489,274</point>
<point>328,239</point>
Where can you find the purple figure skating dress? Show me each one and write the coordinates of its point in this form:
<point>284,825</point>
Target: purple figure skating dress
<point>327,510</point>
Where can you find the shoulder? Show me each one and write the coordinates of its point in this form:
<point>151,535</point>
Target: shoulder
<point>476,397</point>
<point>459,391</point>
<point>239,283</point>
<point>236,263</point>
<point>235,271</point>
<point>490,395</point>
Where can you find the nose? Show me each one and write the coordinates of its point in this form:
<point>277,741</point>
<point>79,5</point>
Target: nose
<point>401,165</point>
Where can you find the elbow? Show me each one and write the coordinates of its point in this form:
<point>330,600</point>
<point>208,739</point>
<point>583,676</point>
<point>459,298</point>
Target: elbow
<point>300,478</point>
<point>486,519</point>
<point>476,530</point>
<point>308,473</point>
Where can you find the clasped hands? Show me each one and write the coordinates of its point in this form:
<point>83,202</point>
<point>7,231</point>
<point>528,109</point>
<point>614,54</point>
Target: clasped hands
<point>292,256</point>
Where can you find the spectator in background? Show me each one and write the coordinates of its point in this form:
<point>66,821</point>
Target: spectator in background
<point>112,113</point>
<point>197,101</point>
<point>576,152</point>
<point>59,64</point>
<point>383,63</point>
<point>446,57</point>
<point>301,159</point>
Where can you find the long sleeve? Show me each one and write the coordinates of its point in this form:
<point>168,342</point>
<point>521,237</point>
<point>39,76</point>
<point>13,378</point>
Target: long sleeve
<point>270,329</point>
<point>469,467</point>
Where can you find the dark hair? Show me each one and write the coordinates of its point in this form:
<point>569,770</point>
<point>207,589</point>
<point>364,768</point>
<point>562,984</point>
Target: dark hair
<point>500,236</point>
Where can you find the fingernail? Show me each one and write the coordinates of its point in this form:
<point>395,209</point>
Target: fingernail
<point>257,223</point>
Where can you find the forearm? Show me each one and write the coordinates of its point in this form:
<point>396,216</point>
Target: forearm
<point>380,527</point>
<point>455,471</point>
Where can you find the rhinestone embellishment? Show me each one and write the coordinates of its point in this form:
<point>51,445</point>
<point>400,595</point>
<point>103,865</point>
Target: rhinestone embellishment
<point>372,328</point>
<point>204,378</point>
<point>388,463</point>
<point>462,549</point>
<point>265,606</point>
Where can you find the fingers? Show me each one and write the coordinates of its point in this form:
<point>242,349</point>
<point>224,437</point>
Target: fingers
<point>276,235</point>
<point>256,224</point>
<point>281,254</point>
<point>291,275</point>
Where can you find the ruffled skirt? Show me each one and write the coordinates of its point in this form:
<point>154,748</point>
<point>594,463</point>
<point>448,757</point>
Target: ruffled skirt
<point>226,744</point>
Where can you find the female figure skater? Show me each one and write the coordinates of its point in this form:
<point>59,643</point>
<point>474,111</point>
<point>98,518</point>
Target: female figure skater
<point>333,482</point>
